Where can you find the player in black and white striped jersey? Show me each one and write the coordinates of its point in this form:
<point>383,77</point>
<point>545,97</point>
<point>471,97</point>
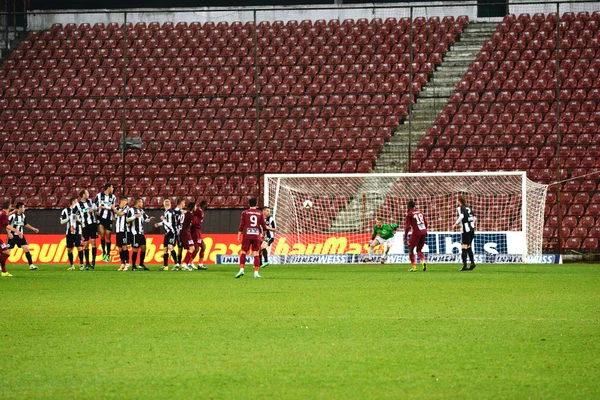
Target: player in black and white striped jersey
<point>269,236</point>
<point>169,223</point>
<point>69,218</point>
<point>179,216</point>
<point>19,222</point>
<point>105,202</point>
<point>86,210</point>
<point>467,220</point>
<point>136,216</point>
<point>122,231</point>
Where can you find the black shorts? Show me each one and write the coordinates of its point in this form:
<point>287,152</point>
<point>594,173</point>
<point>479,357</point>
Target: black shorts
<point>17,241</point>
<point>73,240</point>
<point>90,232</point>
<point>106,223</point>
<point>138,241</point>
<point>467,237</point>
<point>170,239</point>
<point>269,241</point>
<point>123,239</point>
<point>178,240</point>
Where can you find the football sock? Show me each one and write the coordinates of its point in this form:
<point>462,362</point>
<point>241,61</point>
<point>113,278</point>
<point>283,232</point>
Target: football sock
<point>3,258</point>
<point>242,261</point>
<point>412,258</point>
<point>421,256</point>
<point>94,251</point>
<point>108,245</point>
<point>80,256</point>
<point>256,263</point>
<point>165,259</point>
<point>29,259</point>
<point>134,258</point>
<point>471,255</point>
<point>142,257</point>
<point>179,255</point>
<point>265,255</point>
<point>174,256</point>
<point>186,259</point>
<point>464,257</point>
<point>86,253</point>
<point>201,257</point>
<point>126,256</point>
<point>103,243</point>
<point>371,250</point>
<point>70,255</point>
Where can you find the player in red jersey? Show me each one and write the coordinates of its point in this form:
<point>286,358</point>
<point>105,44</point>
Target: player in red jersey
<point>186,236</point>
<point>198,217</point>
<point>250,234</point>
<point>417,221</point>
<point>6,227</point>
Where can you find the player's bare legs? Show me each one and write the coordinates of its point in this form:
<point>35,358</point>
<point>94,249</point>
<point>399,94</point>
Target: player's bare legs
<point>422,256</point>
<point>201,251</point>
<point>187,260</point>
<point>4,255</point>
<point>372,245</point>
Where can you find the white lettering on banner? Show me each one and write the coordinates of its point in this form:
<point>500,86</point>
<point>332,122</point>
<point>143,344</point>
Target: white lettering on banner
<point>340,259</point>
<point>490,248</point>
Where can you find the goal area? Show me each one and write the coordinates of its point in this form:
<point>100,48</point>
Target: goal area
<point>337,228</point>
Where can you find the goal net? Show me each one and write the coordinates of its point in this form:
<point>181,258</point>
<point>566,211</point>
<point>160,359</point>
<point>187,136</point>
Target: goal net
<point>508,206</point>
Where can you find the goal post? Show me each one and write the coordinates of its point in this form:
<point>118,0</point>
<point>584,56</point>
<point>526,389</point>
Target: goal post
<point>509,209</point>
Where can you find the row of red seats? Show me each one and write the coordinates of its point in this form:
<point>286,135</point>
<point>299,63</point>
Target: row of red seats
<point>590,244</point>
<point>214,124</point>
<point>156,202</point>
<point>505,96</point>
<point>32,163</point>
<point>452,137</point>
<point>262,25</point>
<point>155,119</point>
<point>183,138</point>
<point>543,133</point>
<point>161,82</point>
<point>580,153</point>
<point>544,175</point>
<point>172,104</point>
<point>587,222</point>
<point>68,185</point>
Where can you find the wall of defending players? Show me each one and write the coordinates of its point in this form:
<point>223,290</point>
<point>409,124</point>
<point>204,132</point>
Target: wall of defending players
<point>51,249</point>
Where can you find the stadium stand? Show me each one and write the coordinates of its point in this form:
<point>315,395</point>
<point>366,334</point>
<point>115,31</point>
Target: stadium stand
<point>324,98</point>
<point>507,114</point>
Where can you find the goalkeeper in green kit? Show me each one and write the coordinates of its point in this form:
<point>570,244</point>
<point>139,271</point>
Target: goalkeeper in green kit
<point>382,234</point>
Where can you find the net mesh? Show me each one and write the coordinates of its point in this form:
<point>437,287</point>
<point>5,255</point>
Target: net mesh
<point>346,206</point>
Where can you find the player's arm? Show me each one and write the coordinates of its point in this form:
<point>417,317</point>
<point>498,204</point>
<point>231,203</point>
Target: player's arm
<point>460,216</point>
<point>241,228</point>
<point>11,229</point>
<point>147,218</point>
<point>394,227</point>
<point>64,217</point>
<point>118,212</point>
<point>274,228</point>
<point>31,228</point>
<point>406,228</point>
<point>130,216</point>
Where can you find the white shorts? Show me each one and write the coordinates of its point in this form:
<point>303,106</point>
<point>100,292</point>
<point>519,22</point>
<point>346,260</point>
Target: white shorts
<point>389,241</point>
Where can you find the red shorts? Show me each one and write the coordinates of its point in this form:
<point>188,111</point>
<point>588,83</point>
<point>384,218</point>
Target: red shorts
<point>197,237</point>
<point>251,244</point>
<point>3,246</point>
<point>186,240</point>
<point>417,241</point>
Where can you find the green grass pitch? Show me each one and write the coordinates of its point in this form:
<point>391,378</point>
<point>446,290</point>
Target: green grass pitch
<point>309,331</point>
